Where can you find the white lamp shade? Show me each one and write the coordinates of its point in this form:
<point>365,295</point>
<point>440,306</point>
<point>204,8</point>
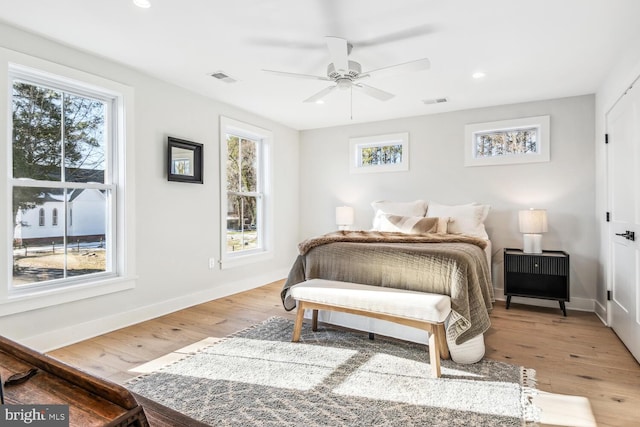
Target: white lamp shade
<point>344,215</point>
<point>533,221</point>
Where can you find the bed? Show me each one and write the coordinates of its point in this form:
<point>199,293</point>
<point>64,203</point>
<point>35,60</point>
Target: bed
<point>411,248</point>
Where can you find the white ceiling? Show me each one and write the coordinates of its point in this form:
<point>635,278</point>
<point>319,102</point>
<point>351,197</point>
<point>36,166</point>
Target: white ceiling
<point>529,50</point>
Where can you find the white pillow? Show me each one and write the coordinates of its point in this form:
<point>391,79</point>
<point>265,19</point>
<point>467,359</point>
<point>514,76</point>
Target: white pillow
<point>381,207</point>
<point>465,219</point>
<point>411,224</point>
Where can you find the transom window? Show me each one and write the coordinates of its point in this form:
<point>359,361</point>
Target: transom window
<point>62,158</point>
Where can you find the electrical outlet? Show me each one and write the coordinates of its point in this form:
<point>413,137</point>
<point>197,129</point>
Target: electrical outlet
<point>212,263</point>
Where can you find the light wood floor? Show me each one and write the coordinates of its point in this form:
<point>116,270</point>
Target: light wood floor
<point>574,355</point>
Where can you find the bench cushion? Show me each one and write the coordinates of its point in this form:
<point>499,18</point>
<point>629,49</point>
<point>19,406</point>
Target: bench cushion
<point>397,302</point>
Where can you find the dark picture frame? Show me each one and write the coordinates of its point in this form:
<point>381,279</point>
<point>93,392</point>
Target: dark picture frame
<point>184,160</point>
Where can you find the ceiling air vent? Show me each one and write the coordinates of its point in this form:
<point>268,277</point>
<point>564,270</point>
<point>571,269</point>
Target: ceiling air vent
<point>435,101</point>
<point>223,77</point>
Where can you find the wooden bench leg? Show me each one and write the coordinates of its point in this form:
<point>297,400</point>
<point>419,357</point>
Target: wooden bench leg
<point>434,352</point>
<point>442,343</point>
<point>297,328</point>
<point>314,320</point>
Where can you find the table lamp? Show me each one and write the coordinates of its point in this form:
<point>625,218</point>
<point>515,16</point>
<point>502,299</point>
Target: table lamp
<point>344,217</point>
<point>533,222</point>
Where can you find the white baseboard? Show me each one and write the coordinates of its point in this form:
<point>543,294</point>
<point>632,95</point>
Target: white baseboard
<point>76,333</point>
<point>580,304</point>
<point>601,312</point>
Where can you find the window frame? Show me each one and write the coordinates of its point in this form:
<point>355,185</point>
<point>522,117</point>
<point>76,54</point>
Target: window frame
<point>541,124</point>
<point>110,185</point>
<point>123,202</point>
<point>358,145</point>
<point>264,138</point>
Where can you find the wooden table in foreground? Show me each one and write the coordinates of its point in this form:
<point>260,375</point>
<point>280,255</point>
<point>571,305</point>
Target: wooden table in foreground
<point>92,401</point>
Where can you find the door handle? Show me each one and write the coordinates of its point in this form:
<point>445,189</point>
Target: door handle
<point>629,235</point>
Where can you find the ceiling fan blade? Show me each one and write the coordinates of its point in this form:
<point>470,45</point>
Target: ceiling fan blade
<point>417,65</point>
<point>339,51</point>
<point>298,76</point>
<point>372,91</point>
<point>318,96</point>
<point>283,43</point>
<point>419,31</point>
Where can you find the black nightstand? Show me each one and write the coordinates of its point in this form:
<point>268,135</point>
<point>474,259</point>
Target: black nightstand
<point>544,275</point>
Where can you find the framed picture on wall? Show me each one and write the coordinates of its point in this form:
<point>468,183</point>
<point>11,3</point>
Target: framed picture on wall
<point>184,160</point>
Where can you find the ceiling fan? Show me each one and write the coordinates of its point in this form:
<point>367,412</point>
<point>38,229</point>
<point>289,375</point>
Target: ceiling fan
<point>346,74</point>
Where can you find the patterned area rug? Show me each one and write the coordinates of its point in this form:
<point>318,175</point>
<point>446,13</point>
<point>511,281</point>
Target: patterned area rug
<point>333,377</point>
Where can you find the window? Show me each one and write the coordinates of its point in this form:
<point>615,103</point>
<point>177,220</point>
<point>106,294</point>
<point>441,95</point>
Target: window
<point>64,138</point>
<point>245,205</point>
<point>512,141</point>
<point>381,153</point>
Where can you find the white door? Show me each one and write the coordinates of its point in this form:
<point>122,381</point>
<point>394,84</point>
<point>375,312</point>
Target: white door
<point>623,127</point>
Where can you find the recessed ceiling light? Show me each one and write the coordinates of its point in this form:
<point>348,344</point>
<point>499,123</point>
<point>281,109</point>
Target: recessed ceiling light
<point>436,100</point>
<point>320,101</point>
<point>478,75</point>
<point>145,4</point>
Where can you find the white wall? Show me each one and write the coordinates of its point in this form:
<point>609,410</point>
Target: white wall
<point>177,225</point>
<point>622,75</point>
<point>565,186</point>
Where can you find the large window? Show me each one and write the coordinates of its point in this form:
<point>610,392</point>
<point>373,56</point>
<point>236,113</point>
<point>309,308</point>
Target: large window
<point>245,201</point>
<point>63,157</point>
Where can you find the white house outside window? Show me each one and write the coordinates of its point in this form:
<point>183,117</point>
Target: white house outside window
<point>246,203</point>
<point>63,157</point>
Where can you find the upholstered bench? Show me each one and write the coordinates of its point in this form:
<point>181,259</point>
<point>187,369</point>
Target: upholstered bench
<point>418,309</point>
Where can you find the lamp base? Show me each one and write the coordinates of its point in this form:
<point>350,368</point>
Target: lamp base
<point>532,244</point>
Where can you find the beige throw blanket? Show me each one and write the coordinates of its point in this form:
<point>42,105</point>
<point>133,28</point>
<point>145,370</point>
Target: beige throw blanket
<point>444,264</point>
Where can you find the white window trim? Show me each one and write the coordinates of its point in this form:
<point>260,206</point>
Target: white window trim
<point>242,129</point>
<point>124,204</point>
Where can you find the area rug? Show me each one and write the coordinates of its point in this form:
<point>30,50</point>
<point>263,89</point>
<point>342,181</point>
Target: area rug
<point>335,377</point>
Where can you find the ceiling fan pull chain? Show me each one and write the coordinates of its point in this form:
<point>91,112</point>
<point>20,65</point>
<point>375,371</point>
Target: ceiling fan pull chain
<point>351,93</point>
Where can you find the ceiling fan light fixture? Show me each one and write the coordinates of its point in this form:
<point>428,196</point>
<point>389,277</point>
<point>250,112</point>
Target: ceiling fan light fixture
<point>344,84</point>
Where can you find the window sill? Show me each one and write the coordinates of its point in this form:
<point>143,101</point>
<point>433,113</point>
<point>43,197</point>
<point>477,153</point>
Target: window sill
<point>12,304</point>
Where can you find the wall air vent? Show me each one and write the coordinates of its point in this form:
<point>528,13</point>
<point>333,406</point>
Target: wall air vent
<point>435,101</point>
<point>223,77</point>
